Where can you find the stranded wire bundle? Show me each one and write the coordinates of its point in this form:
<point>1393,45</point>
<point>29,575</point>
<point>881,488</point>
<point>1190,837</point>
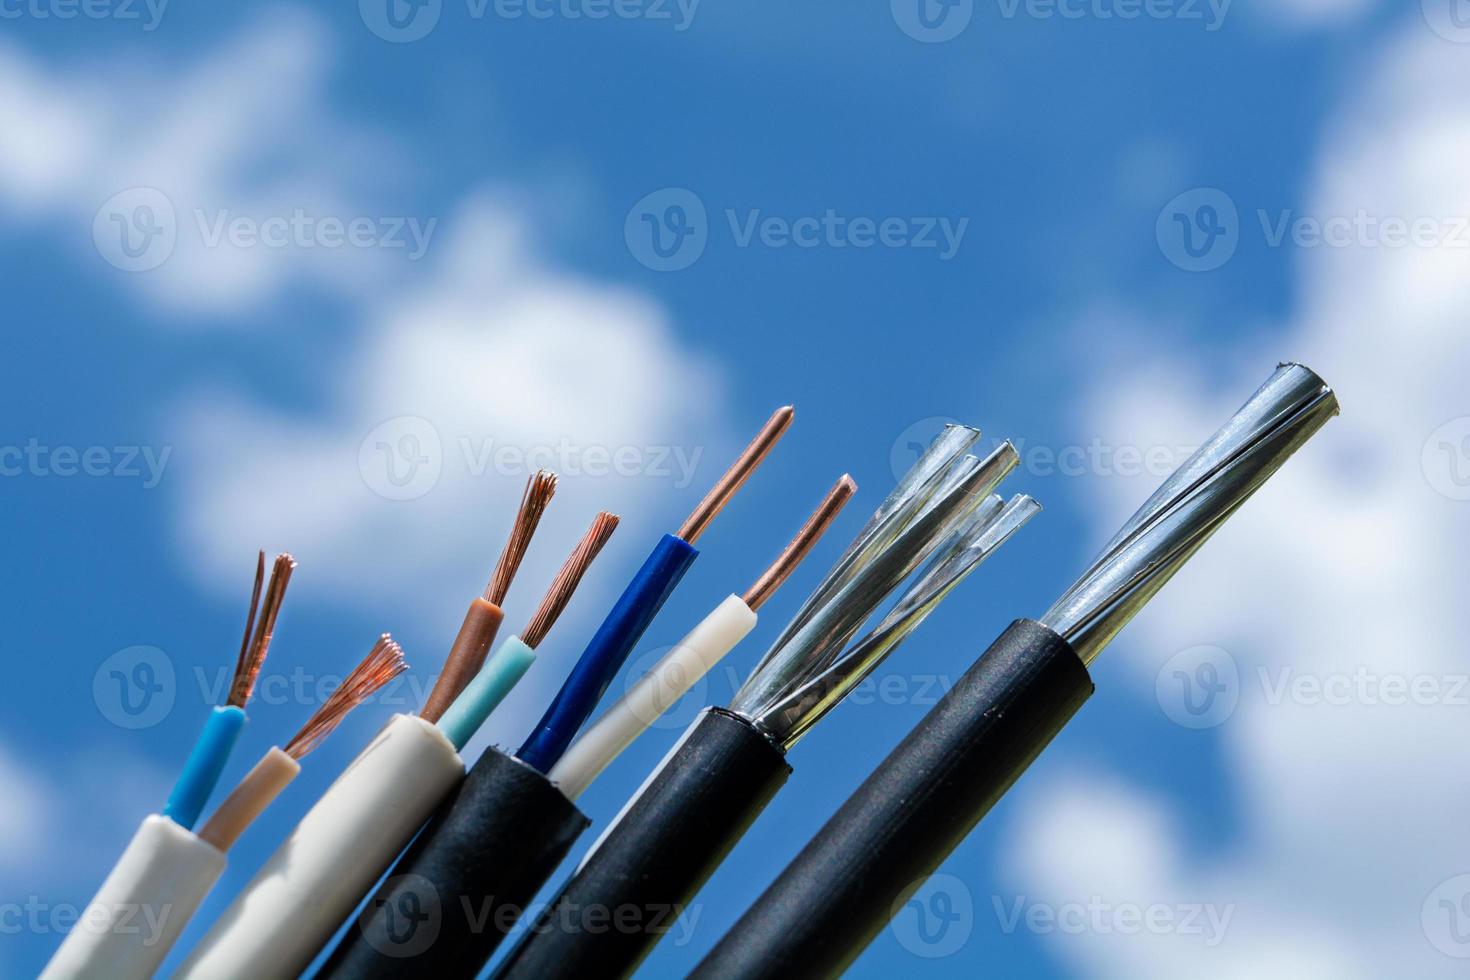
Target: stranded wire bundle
<point>288,911</point>
<point>730,763</point>
<point>222,729</point>
<point>166,870</point>
<point>917,806</point>
<point>501,834</point>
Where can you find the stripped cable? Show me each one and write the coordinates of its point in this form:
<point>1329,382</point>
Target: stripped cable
<point>279,766</point>
<point>482,620</point>
<point>503,671</point>
<point>638,605</point>
<point>688,814</point>
<point>508,825</point>
<point>221,731</point>
<point>918,805</point>
<point>682,667</point>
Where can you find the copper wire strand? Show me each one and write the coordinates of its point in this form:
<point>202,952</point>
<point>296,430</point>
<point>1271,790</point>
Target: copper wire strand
<point>481,622</point>
<point>380,666</point>
<point>816,525</point>
<point>252,655</point>
<point>737,474</point>
<point>567,580</point>
<point>254,607</point>
<point>538,493</point>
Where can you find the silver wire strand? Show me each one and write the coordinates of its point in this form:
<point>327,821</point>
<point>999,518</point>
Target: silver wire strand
<point>1182,514</point>
<point>787,720</point>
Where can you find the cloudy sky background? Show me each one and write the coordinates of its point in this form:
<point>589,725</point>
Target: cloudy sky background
<point>1274,832</point>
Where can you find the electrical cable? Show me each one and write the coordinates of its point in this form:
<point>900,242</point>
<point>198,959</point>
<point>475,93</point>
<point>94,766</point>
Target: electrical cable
<point>637,606</point>
<point>482,620</point>
<point>290,909</point>
<point>504,670</point>
<point>677,828</point>
<point>221,731</point>
<point>918,805</point>
<point>499,836</point>
<point>682,667</point>
<point>166,871</point>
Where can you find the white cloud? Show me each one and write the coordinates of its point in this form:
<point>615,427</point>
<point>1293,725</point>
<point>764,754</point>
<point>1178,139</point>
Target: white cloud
<point>28,810</point>
<point>1352,815</point>
<point>491,346</point>
<point>219,143</point>
<point>495,352</point>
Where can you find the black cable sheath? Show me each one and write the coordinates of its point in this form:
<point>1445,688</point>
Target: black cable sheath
<point>463,882</point>
<point>907,817</point>
<point>641,877</point>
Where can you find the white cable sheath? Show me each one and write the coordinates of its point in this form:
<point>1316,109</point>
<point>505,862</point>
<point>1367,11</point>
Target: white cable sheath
<point>138,913</point>
<point>715,636</point>
<point>291,908</point>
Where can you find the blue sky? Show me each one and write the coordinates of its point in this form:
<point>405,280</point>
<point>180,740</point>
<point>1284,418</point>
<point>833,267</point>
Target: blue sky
<point>1144,215</point>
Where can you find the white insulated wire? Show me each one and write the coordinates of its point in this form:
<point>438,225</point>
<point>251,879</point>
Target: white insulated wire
<point>137,915</point>
<point>314,881</point>
<point>716,635</point>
